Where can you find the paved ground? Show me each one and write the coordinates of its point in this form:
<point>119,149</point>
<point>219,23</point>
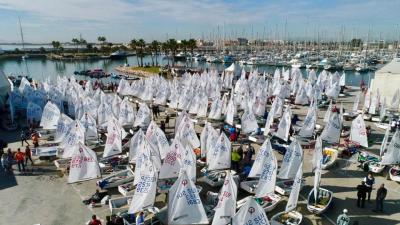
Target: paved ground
<point>44,197</point>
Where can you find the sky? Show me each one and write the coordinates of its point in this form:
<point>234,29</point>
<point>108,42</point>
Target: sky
<point>122,20</point>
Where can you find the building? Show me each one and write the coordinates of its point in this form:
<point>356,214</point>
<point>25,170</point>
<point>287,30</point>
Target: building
<point>387,79</point>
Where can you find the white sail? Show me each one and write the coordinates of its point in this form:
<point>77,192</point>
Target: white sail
<point>250,213</point>
<point>126,113</point>
<point>249,121</point>
<point>291,161</point>
<point>263,155</point>
<point>226,206</point>
<point>392,154</point>
<point>51,114</point>
<point>187,134</point>
<point>374,103</point>
<point>367,100</point>
<point>207,137</point>
<point>356,102</point>
<point>157,137</point>
<point>317,156</point>
<point>89,123</point>
<point>219,156</point>
<point>328,112</point>
<point>104,113</point>
<point>143,116</point>
<point>331,132</point>
<point>203,106</point>
<point>317,180</point>
<point>342,81</point>
<point>75,134</point>
<point>173,160</point>
<point>358,133</point>
<point>33,111</point>
<point>184,204</point>
<point>307,130</point>
<point>395,100</point>
<point>135,144</point>
<point>384,142</point>
<point>63,125</point>
<point>216,109</point>
<point>284,125</point>
<point>115,134</point>
<point>230,112</point>
<point>266,184</point>
<point>146,154</point>
<point>83,165</point>
<point>294,194</point>
<point>146,188</point>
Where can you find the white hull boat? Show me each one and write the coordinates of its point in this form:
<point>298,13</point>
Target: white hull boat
<point>127,189</point>
<point>330,157</point>
<point>324,201</point>
<point>119,205</point>
<point>287,218</point>
<point>116,179</point>
<point>382,126</point>
<point>216,178</point>
<point>375,167</point>
<point>268,203</point>
<point>62,163</point>
<point>394,173</point>
<point>284,187</point>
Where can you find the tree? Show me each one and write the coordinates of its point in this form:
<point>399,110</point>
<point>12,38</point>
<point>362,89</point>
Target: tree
<point>133,44</point>
<point>82,42</point>
<point>102,41</point>
<point>89,47</point>
<point>56,45</point>
<point>173,46</point>
<point>165,48</point>
<point>141,45</point>
<point>42,50</point>
<point>192,44</point>
<point>154,46</point>
<point>75,41</point>
<point>356,43</point>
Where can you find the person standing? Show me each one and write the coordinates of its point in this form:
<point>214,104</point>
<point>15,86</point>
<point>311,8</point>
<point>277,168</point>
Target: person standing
<point>94,221</point>
<point>235,160</point>
<point>343,219</point>
<point>28,155</point>
<point>249,154</point>
<point>361,194</point>
<point>23,138</point>
<point>19,157</point>
<point>380,197</point>
<point>369,182</point>
<point>167,119</point>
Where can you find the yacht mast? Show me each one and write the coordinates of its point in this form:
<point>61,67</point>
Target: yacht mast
<point>22,34</point>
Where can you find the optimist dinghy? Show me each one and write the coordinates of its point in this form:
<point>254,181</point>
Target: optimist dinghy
<point>116,179</point>
<point>394,173</point>
<point>329,159</point>
<point>324,201</point>
<point>268,203</point>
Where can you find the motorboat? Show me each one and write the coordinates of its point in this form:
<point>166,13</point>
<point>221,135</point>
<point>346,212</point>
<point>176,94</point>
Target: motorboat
<point>119,54</point>
<point>323,203</point>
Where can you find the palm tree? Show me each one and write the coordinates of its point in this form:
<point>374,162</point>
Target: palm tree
<point>142,45</point>
<point>82,42</point>
<point>192,44</point>
<point>165,48</point>
<point>173,46</point>
<point>155,46</point>
<point>133,45</point>
<point>56,45</point>
<point>102,40</point>
<point>75,41</point>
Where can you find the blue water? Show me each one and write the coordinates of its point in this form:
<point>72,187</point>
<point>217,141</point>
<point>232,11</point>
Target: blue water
<point>39,69</point>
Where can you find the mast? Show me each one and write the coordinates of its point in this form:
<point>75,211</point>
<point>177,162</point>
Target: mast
<point>22,34</point>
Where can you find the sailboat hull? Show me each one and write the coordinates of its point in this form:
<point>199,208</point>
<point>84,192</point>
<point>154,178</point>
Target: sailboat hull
<point>284,218</point>
<point>323,204</point>
<point>394,173</point>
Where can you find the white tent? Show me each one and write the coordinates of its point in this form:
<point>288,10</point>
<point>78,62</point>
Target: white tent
<point>387,79</point>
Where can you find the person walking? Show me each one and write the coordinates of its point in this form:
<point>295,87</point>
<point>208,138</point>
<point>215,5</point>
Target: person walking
<point>23,138</point>
<point>343,219</point>
<point>19,157</point>
<point>28,155</point>
<point>249,154</point>
<point>380,197</point>
<point>361,194</point>
<point>369,182</point>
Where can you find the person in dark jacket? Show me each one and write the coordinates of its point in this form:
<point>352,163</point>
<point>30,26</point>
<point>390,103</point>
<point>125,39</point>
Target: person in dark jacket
<point>369,182</point>
<point>361,194</point>
<point>380,197</point>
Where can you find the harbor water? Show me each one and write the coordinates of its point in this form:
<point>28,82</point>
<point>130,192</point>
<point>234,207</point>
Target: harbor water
<point>40,69</point>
